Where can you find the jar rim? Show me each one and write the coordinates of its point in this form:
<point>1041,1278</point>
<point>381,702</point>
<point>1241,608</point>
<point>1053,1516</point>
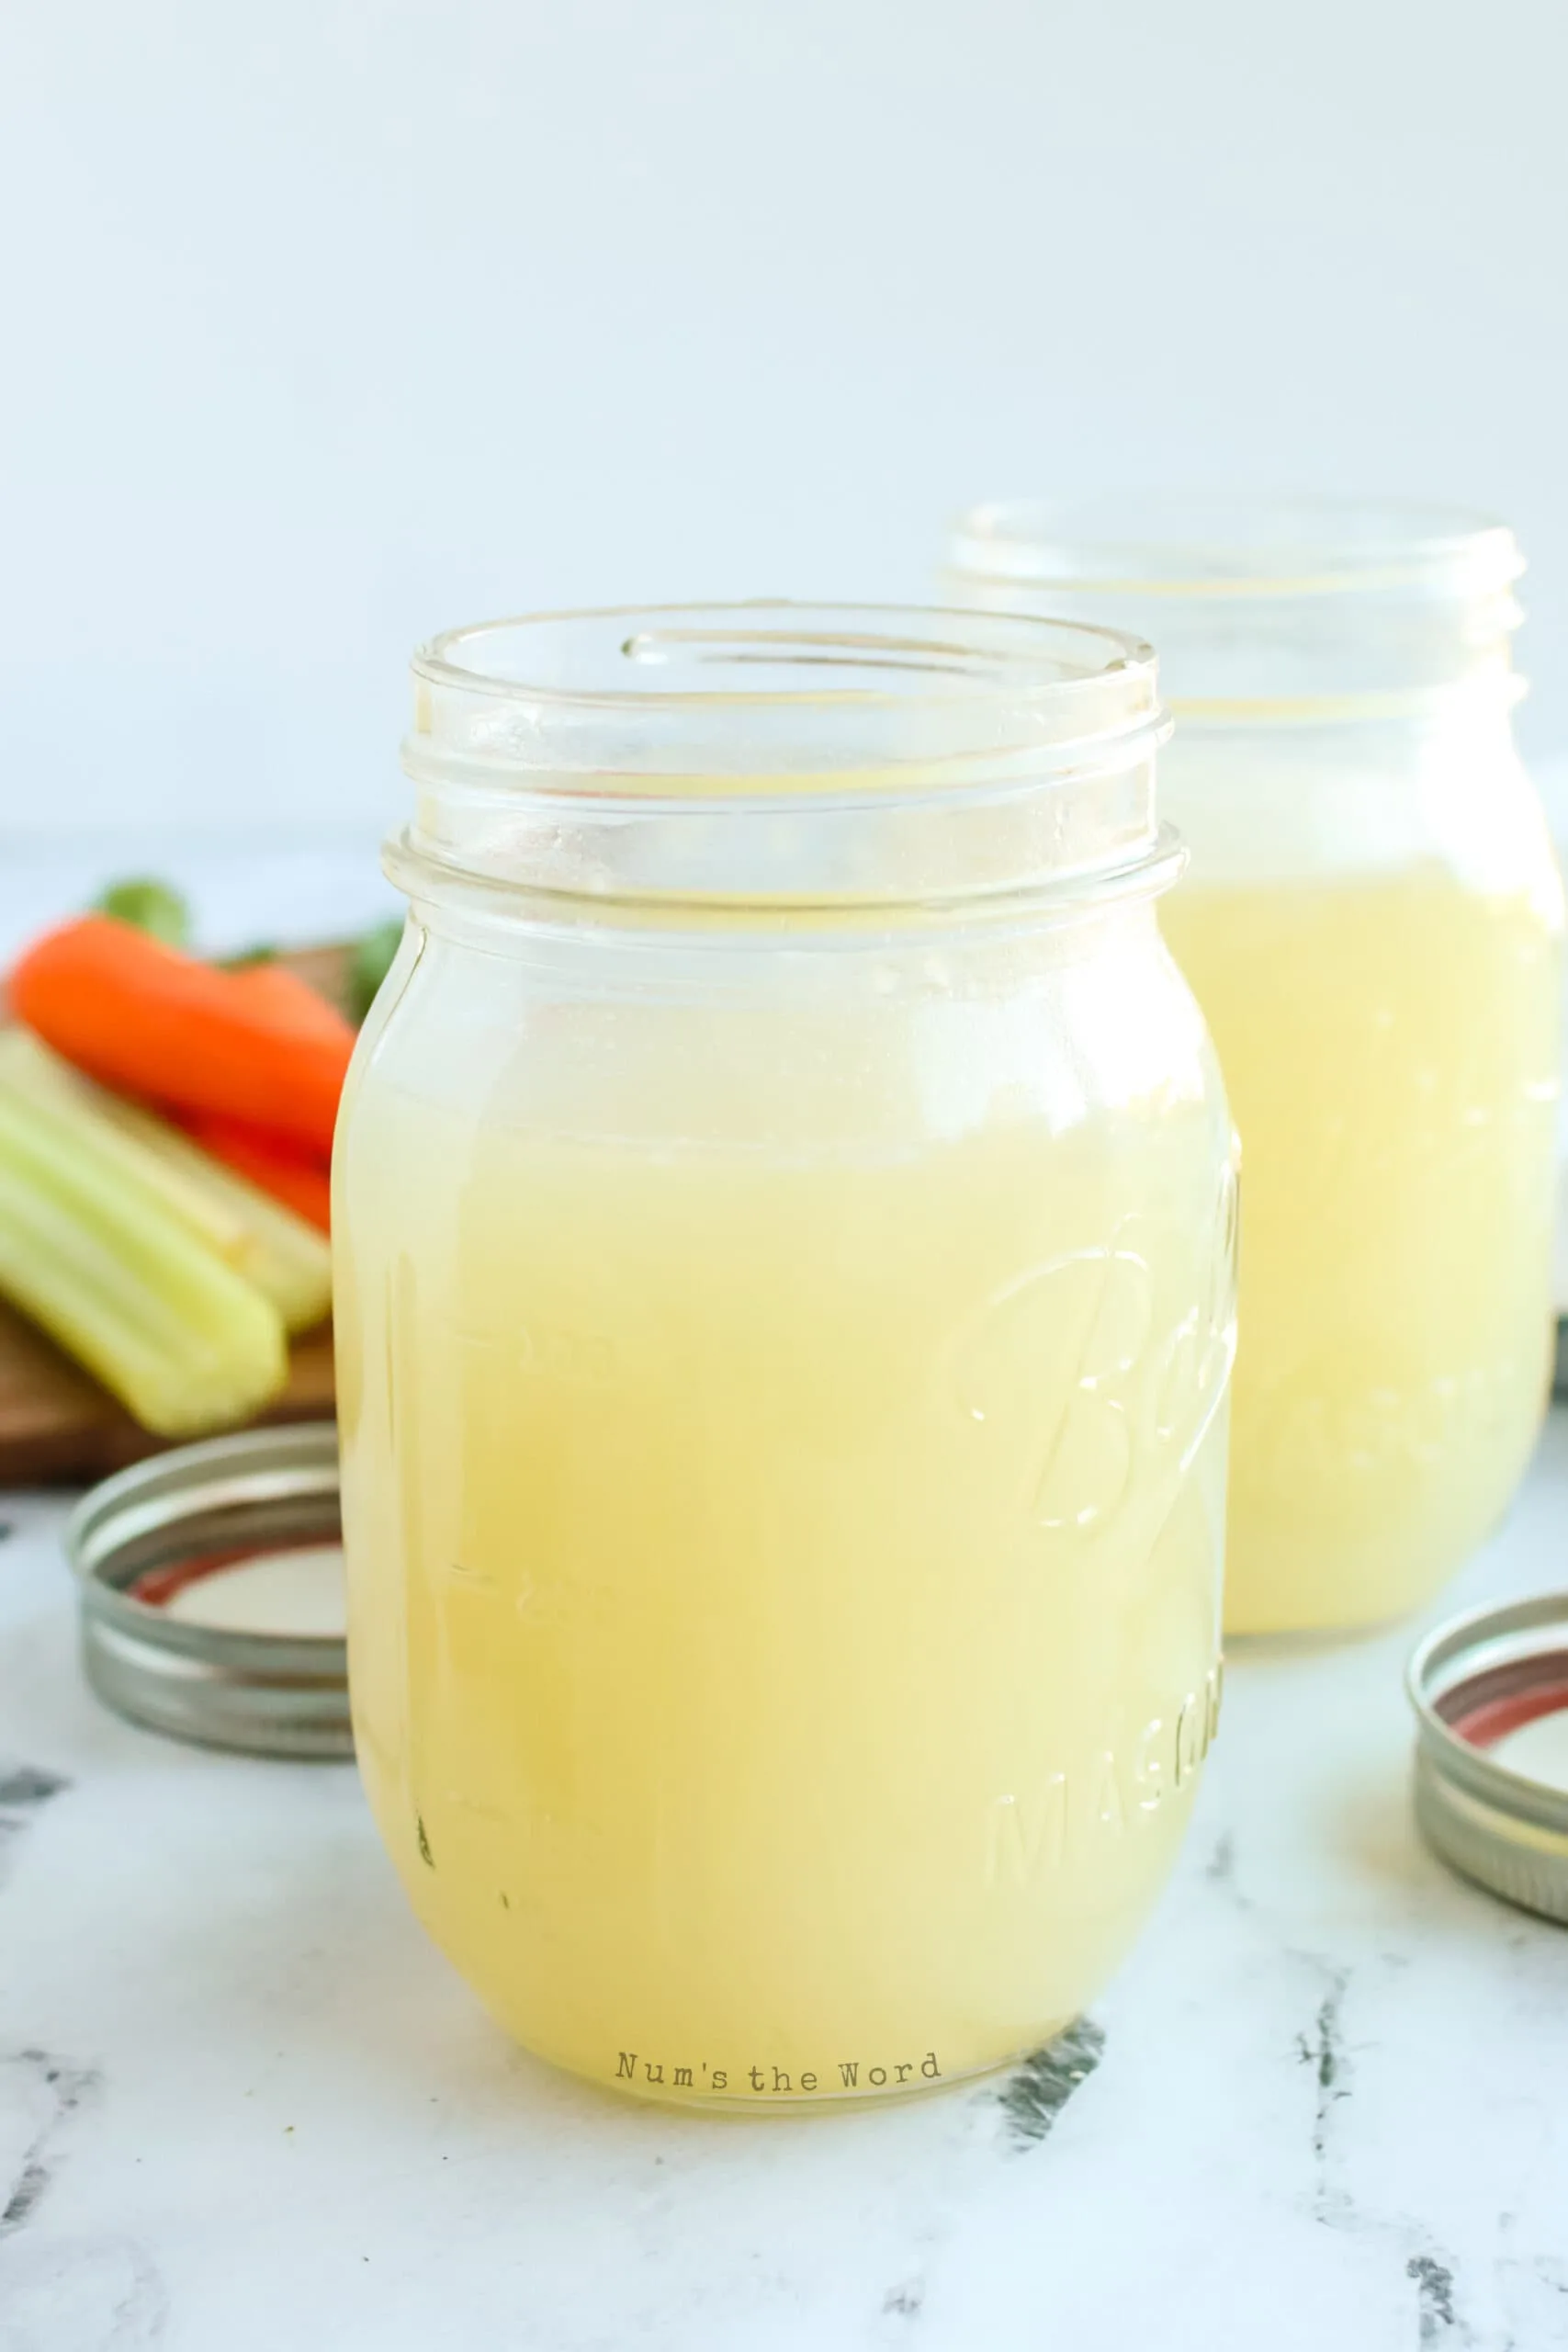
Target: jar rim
<point>776,698</point>
<point>974,657</point>
<point>1237,545</point>
<point>782,750</point>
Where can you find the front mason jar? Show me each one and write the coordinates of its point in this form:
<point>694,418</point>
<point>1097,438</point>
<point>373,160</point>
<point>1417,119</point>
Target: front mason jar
<point>1371,924</point>
<point>783,1227</point>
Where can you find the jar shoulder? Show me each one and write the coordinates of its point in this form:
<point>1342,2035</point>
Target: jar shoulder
<point>860,1050</point>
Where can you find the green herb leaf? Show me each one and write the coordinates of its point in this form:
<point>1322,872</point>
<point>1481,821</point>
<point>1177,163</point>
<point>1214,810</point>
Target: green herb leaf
<point>148,905</point>
<point>370,963</point>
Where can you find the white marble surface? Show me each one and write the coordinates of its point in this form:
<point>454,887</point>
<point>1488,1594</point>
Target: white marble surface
<point>245,2106</point>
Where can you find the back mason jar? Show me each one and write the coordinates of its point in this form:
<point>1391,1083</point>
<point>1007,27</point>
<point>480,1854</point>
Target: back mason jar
<point>783,1220</point>
<point>1373,924</point>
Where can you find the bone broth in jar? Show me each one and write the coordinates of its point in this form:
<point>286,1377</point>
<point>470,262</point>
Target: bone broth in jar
<point>1372,923</point>
<point>785,1216</point>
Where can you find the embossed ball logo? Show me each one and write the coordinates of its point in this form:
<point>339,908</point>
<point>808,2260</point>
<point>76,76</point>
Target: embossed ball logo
<point>1095,1376</point>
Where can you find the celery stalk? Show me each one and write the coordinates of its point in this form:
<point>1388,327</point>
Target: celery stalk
<point>288,1261</point>
<point>95,1253</point>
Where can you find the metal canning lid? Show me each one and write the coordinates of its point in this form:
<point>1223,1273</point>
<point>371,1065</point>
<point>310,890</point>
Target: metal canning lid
<point>159,1528</point>
<point>1490,1695</point>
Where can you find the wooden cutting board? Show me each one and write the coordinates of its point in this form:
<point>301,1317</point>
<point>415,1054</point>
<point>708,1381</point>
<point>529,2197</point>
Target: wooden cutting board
<point>59,1428</point>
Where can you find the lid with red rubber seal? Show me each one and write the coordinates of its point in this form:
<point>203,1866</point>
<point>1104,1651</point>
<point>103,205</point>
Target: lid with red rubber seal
<point>1491,1697</point>
<point>211,1584</point>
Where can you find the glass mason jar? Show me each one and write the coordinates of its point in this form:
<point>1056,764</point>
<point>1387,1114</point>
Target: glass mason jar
<point>1371,924</point>
<point>783,1244</point>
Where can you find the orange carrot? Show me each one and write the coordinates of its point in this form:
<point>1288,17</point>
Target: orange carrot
<point>290,1175</point>
<point>273,987</point>
<point>143,1018</point>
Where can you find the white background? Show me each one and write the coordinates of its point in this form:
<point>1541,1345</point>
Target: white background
<point>327,325</point>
